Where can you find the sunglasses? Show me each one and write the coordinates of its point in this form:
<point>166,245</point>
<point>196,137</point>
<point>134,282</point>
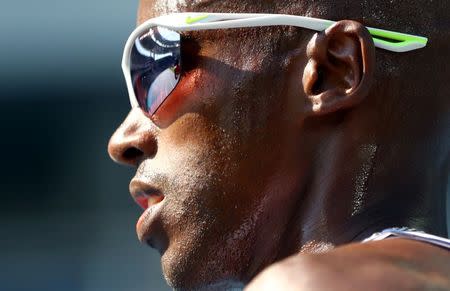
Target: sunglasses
<point>152,61</point>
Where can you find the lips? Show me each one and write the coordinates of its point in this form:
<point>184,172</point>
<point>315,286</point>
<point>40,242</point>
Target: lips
<point>145,194</point>
<point>146,200</point>
<point>148,226</point>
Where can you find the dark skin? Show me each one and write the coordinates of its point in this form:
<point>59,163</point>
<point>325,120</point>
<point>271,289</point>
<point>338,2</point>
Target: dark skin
<point>394,264</point>
<point>278,153</point>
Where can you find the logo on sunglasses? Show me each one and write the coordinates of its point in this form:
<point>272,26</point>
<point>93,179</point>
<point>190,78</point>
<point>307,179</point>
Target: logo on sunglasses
<point>192,20</point>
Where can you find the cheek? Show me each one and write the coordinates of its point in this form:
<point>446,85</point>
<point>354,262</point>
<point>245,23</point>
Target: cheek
<point>197,159</point>
<point>197,93</point>
<point>205,163</point>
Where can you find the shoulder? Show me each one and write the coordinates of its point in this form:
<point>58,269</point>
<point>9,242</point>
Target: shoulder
<point>392,264</point>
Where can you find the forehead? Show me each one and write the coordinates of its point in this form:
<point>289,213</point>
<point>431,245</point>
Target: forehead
<point>152,8</point>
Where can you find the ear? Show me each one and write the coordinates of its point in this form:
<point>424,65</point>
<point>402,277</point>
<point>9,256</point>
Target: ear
<point>340,68</point>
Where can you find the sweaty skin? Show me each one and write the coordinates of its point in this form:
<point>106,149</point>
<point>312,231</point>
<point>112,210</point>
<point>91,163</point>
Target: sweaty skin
<point>282,143</point>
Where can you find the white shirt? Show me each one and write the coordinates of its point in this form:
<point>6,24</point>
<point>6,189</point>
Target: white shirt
<point>412,234</point>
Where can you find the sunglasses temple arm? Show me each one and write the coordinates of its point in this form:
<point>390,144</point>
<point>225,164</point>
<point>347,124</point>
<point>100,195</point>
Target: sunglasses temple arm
<point>217,21</point>
<point>385,39</point>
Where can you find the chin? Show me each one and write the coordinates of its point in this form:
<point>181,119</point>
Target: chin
<point>228,285</point>
<point>193,278</point>
<point>191,271</point>
<point>221,286</point>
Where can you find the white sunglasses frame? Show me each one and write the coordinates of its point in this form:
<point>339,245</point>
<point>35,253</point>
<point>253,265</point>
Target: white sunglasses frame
<point>400,42</point>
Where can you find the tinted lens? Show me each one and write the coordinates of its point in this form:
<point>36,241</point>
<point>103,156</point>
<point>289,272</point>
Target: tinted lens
<point>155,66</point>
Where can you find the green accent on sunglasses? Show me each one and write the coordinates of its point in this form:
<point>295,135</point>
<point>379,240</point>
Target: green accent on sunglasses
<point>395,38</point>
<point>191,20</point>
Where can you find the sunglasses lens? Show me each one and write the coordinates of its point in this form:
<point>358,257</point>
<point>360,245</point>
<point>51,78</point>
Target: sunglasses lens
<point>155,66</point>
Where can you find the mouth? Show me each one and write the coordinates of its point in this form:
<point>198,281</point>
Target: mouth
<point>145,194</point>
<point>151,200</point>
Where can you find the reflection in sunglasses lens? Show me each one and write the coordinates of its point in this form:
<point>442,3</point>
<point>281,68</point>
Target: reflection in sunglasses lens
<point>155,66</point>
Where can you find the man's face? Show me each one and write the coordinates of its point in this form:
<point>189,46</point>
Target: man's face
<point>223,151</point>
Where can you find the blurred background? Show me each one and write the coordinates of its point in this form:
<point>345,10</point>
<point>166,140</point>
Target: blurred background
<point>67,219</point>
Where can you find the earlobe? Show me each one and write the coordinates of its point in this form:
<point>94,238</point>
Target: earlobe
<point>340,68</point>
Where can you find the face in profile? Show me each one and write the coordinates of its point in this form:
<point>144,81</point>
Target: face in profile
<point>217,165</point>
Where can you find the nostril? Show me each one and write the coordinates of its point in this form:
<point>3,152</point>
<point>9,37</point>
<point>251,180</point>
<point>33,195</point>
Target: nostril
<point>131,153</point>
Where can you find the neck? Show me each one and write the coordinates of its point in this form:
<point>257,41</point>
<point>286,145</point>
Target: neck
<point>359,186</point>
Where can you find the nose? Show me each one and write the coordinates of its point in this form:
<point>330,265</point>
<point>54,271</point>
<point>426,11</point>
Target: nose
<point>134,140</point>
